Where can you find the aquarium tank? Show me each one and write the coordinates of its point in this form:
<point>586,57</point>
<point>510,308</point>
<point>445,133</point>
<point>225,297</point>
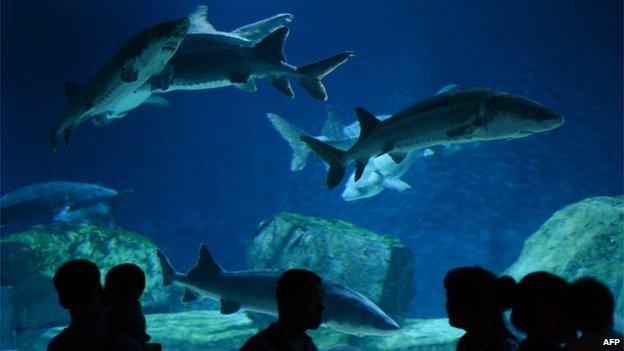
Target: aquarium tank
<point>378,144</point>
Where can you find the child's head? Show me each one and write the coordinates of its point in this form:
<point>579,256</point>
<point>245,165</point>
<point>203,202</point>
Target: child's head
<point>124,283</point>
<point>540,308</point>
<point>476,297</point>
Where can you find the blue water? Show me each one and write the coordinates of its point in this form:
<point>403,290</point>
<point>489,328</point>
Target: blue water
<point>211,167</point>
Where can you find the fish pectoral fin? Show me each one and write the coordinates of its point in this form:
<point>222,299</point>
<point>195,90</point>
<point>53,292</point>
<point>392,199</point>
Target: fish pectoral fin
<point>157,101</point>
<point>398,157</point>
<point>62,213</point>
<point>359,168</point>
<point>388,146</point>
<point>102,119</point>
<point>189,295</point>
<point>128,73</point>
<point>282,84</point>
<point>249,86</point>
<point>239,77</point>
<point>461,131</point>
<point>163,79</point>
<point>71,90</point>
<point>396,184</point>
<point>229,307</point>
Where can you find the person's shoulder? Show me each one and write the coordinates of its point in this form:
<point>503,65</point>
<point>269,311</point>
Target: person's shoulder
<point>508,344</point>
<point>123,342</point>
<point>258,342</point>
<point>57,343</point>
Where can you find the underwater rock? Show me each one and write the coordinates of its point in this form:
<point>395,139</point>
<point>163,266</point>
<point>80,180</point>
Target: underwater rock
<point>200,330</point>
<point>582,239</point>
<point>378,266</point>
<point>415,335</point>
<point>30,259</point>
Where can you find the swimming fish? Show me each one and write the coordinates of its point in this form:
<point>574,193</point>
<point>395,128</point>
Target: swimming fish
<point>345,309</point>
<point>140,58</point>
<point>212,60</point>
<point>56,200</point>
<point>454,117</point>
<point>198,24</point>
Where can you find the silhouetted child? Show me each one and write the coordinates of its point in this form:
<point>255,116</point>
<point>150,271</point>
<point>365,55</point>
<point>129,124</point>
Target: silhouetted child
<point>124,285</point>
<point>300,308</point>
<point>475,301</point>
<point>540,312</point>
<point>80,291</point>
<point>591,308</point>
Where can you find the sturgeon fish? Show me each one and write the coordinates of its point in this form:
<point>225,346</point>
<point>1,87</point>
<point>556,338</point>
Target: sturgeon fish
<point>199,24</point>
<point>212,60</point>
<point>138,60</point>
<point>454,117</point>
<point>345,309</point>
<point>57,200</point>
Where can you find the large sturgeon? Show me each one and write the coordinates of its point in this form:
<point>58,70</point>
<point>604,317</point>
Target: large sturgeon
<point>454,117</point>
<point>345,309</point>
<point>213,60</point>
<point>140,58</point>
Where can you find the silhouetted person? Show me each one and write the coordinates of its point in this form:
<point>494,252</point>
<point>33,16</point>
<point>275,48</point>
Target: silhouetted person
<point>591,308</point>
<point>300,308</point>
<point>124,285</point>
<point>475,301</point>
<point>540,312</point>
<point>80,291</point>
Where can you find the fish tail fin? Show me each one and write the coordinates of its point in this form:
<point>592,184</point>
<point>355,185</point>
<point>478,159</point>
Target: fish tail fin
<point>168,271</point>
<point>333,156</point>
<point>313,74</point>
<point>292,135</point>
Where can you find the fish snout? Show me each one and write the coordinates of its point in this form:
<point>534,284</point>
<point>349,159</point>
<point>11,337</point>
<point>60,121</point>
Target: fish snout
<point>386,324</point>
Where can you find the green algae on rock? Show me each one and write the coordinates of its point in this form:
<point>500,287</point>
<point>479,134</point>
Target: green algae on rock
<point>30,259</point>
<point>415,335</point>
<point>378,266</point>
<point>582,239</point>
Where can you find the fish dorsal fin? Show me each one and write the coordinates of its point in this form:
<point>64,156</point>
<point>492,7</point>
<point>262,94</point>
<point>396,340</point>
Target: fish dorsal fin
<point>258,30</point>
<point>71,90</point>
<point>206,266</point>
<point>368,122</point>
<point>199,21</point>
<point>273,44</point>
<point>332,128</point>
<point>451,88</point>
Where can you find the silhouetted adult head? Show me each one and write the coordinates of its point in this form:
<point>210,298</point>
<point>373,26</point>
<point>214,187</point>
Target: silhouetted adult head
<point>540,308</point>
<point>125,283</point>
<point>78,285</point>
<point>476,298</point>
<point>591,306</point>
<point>300,299</point>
